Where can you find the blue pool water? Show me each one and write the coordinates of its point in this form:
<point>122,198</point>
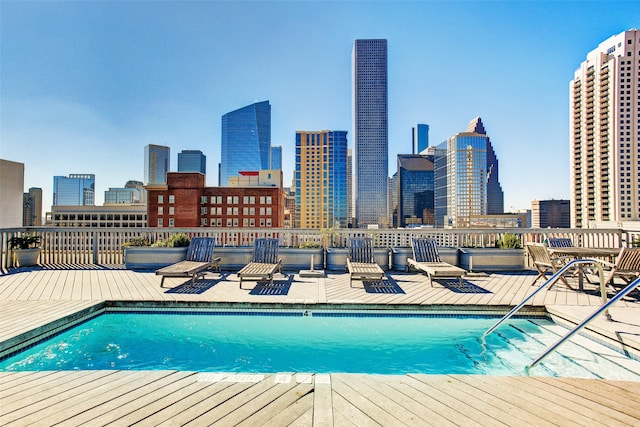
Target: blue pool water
<point>318,344</point>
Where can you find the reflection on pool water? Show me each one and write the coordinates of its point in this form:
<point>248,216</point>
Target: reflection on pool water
<point>319,343</point>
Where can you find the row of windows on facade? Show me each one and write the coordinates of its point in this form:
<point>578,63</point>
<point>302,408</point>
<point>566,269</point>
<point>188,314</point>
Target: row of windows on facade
<point>218,211</point>
<point>231,200</point>
<point>230,222</point>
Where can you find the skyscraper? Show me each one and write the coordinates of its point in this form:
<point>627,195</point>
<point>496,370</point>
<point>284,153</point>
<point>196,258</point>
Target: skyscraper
<point>276,158</point>
<point>604,131</point>
<point>246,141</point>
<point>156,164</point>
<point>321,179</point>
<point>74,190</point>
<point>420,138</point>
<point>466,178</point>
<point>370,130</point>
<point>192,161</point>
<point>415,190</point>
<point>32,207</point>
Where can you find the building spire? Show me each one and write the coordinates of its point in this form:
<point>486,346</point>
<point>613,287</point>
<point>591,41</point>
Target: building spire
<point>476,126</point>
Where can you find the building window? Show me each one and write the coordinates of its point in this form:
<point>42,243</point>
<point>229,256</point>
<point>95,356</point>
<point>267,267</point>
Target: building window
<point>235,211</point>
<point>245,200</point>
<point>268,200</point>
<point>160,199</point>
<point>203,221</point>
<point>172,198</point>
<point>235,200</point>
<point>160,210</point>
<point>268,222</point>
<point>203,210</point>
<point>171,210</point>
<point>262,211</point>
<point>235,222</point>
<point>252,200</point>
<point>171,222</point>
<point>269,211</point>
<point>229,200</point>
<point>160,222</point>
<point>262,200</point>
<point>229,211</point>
<point>203,200</point>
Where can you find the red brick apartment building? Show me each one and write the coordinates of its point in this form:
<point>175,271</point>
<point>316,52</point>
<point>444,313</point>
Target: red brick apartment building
<point>185,202</point>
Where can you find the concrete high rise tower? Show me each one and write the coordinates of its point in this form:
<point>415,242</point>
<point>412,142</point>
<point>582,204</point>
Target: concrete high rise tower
<point>604,129</point>
<point>370,132</point>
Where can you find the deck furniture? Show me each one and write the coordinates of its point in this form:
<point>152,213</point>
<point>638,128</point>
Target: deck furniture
<point>199,260</point>
<point>627,266</point>
<point>567,253</point>
<point>544,262</point>
<point>560,242</point>
<point>264,262</point>
<point>360,261</point>
<point>427,260</point>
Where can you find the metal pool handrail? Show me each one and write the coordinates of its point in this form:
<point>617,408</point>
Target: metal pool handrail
<point>550,282</point>
<point>595,314</point>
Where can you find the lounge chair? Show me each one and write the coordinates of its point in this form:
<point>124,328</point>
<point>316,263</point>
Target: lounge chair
<point>426,259</point>
<point>264,262</point>
<point>627,266</point>
<point>560,242</point>
<point>360,262</point>
<point>199,260</point>
<point>543,262</point>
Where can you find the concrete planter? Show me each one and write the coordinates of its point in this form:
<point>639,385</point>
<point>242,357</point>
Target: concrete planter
<point>27,257</point>
<point>337,258</point>
<point>450,255</point>
<point>233,258</point>
<point>492,259</point>
<point>300,258</point>
<point>148,258</point>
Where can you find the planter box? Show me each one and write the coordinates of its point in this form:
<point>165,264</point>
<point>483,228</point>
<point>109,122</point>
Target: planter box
<point>492,259</point>
<point>300,258</point>
<point>337,258</point>
<point>148,258</point>
<point>27,257</point>
<point>233,258</point>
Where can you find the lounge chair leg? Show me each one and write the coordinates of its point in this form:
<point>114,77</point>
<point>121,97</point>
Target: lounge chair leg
<point>162,282</point>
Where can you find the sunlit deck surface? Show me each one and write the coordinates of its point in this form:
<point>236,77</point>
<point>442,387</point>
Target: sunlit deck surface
<point>32,298</point>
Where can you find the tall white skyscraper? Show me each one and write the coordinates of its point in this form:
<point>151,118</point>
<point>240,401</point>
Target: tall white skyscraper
<point>370,130</point>
<point>604,129</point>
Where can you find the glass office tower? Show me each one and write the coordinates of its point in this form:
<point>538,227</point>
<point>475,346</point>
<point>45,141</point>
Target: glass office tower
<point>246,141</point>
<point>370,130</point>
<point>415,185</point>
<point>419,138</point>
<point>192,161</point>
<point>156,164</point>
<point>321,179</point>
<point>276,158</point>
<point>74,190</point>
<point>466,178</point>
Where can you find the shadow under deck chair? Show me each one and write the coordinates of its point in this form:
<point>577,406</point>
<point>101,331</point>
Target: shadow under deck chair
<point>426,259</point>
<point>543,262</point>
<point>199,260</point>
<point>360,262</point>
<point>264,262</point>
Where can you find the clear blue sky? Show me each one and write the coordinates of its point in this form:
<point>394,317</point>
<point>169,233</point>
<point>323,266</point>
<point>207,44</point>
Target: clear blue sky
<point>86,85</point>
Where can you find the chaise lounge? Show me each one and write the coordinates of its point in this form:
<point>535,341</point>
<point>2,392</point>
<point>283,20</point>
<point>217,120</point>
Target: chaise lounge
<point>199,260</point>
<point>264,262</point>
<point>360,262</point>
<point>426,259</point>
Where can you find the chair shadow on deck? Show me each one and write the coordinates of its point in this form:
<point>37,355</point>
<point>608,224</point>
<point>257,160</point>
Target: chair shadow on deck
<point>199,286</point>
<point>467,287</point>
<point>385,286</point>
<point>277,287</point>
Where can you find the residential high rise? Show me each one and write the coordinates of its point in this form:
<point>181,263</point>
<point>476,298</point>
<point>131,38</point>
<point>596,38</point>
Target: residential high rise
<point>551,213</point>
<point>415,190</point>
<point>246,141</point>
<point>370,130</point>
<point>192,161</point>
<point>11,193</point>
<point>32,207</point>
<point>321,179</point>
<point>466,178</point>
<point>419,138</point>
<point>74,190</point>
<point>156,164</point>
<point>604,131</point>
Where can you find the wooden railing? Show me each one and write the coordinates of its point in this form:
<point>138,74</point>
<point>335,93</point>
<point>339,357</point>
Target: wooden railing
<point>103,246</point>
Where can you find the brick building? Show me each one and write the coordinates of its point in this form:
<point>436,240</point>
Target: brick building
<point>185,202</point>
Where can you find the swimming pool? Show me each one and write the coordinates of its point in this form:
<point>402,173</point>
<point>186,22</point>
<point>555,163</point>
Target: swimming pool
<point>317,342</point>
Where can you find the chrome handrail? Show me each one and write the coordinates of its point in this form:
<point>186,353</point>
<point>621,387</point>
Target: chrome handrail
<point>595,314</point>
<point>550,282</point>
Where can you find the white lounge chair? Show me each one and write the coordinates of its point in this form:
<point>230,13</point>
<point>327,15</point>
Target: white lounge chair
<point>426,259</point>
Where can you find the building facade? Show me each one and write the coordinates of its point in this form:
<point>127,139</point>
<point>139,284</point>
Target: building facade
<point>551,213</point>
<point>74,190</point>
<point>11,193</point>
<point>156,164</point>
<point>276,158</point>
<point>415,190</point>
<point>185,202</point>
<point>604,131</point>
<point>32,208</point>
<point>192,161</point>
<point>419,138</point>
<point>246,141</point>
<point>370,132</point>
<point>115,216</point>
<point>321,179</point>
<point>466,178</point>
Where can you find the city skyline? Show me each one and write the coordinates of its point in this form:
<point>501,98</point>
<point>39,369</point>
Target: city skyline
<point>99,81</point>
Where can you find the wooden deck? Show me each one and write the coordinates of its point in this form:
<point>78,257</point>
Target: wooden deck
<point>31,299</point>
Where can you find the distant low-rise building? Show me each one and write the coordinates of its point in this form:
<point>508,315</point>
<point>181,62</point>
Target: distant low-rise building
<point>114,216</point>
<point>551,213</point>
<point>185,202</point>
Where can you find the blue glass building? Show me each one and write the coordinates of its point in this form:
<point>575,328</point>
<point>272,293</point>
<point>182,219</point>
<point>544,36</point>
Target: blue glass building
<point>415,190</point>
<point>276,158</point>
<point>370,120</point>
<point>74,190</point>
<point>420,138</point>
<point>192,161</point>
<point>321,179</point>
<point>466,178</point>
<point>246,141</point>
<point>156,164</point>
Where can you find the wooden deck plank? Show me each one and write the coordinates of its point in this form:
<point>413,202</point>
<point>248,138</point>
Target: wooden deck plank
<point>298,412</point>
<point>354,415</point>
<point>280,410</point>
